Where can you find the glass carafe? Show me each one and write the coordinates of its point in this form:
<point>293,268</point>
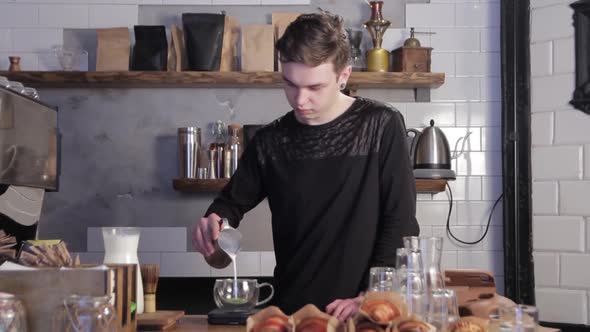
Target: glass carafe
<point>355,37</point>
<point>413,280</point>
<point>120,247</point>
<point>85,314</point>
<point>12,314</point>
<point>431,249</point>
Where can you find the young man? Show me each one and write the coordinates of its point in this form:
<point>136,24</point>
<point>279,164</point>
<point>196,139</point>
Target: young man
<point>336,172</point>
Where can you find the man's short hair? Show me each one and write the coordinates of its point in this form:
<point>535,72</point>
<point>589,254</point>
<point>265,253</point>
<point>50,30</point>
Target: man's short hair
<point>313,39</point>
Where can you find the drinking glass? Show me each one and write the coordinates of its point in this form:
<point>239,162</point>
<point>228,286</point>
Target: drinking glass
<point>12,314</point>
<point>82,313</point>
<point>383,279</point>
<point>240,296</point>
<point>519,318</point>
<point>442,308</point>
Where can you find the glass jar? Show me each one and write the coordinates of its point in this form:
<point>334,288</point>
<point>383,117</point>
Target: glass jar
<point>12,314</point>
<point>85,314</point>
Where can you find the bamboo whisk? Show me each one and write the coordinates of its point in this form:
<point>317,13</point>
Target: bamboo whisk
<point>150,274</point>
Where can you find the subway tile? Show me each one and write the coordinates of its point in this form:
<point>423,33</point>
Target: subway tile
<point>477,14</point>
<point>562,305</point>
<point>571,127</point>
<point>564,55</point>
<point>63,16</point>
<point>561,25</point>
<point>426,230</point>
<point>490,39</point>
<point>545,3</point>
<point>267,263</point>
<point>162,239</point>
<point>19,15</point>
<point>575,270</point>
<point>587,161</point>
<point>491,89</point>
<point>456,135</point>
<point>551,92</point>
<point>545,198</point>
<point>430,15</point>
<point>184,264</point>
<point>463,233</point>
<point>480,163</point>
<point>235,2</point>
<point>492,261</point>
<point>434,213</point>
<point>587,234</point>
<point>186,2</point>
<point>542,129</point>
<point>542,58</point>
<point>570,230</point>
<point>494,240</point>
<point>491,187</point>
<point>449,260</point>
<point>573,198</point>
<point>286,2</point>
<point>491,138</point>
<point>477,213</point>
<point>423,197</point>
<point>455,40</point>
<point>463,188</point>
<point>478,64</point>
<point>443,63</point>
<point>35,40</point>
<point>556,162</point>
<point>460,89</point>
<point>546,269</point>
<point>478,114</point>
<point>248,265</point>
<point>149,258</point>
<point>420,114</point>
<point>5,40</point>
<point>108,16</point>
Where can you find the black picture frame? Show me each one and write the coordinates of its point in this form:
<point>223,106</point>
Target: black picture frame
<point>581,17</point>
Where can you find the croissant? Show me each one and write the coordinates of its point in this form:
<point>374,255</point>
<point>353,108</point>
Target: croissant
<point>276,323</point>
<point>312,324</point>
<point>463,325</point>
<point>412,326</point>
<point>381,311</point>
<point>368,326</point>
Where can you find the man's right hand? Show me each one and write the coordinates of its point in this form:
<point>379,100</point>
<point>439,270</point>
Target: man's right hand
<point>206,233</point>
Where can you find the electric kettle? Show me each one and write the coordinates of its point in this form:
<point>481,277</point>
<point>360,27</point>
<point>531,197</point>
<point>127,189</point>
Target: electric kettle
<point>430,153</point>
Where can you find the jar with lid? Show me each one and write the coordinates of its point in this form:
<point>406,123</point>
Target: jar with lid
<point>82,313</point>
<point>12,314</point>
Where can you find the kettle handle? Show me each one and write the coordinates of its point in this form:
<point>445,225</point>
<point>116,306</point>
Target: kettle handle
<point>417,133</point>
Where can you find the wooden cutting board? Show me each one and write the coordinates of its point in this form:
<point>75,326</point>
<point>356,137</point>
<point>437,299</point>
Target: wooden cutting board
<point>158,321</point>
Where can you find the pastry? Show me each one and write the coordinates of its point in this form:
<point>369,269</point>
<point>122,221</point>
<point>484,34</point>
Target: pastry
<point>412,326</point>
<point>275,323</point>
<point>463,325</point>
<point>368,326</point>
<point>381,311</point>
<point>312,324</point>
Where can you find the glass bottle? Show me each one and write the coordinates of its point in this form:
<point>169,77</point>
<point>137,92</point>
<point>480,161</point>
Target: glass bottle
<point>235,147</point>
<point>12,314</point>
<point>218,145</point>
<point>85,314</point>
<point>355,37</point>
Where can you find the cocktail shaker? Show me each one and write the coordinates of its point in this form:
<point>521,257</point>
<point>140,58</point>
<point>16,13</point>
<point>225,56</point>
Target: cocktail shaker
<point>189,146</point>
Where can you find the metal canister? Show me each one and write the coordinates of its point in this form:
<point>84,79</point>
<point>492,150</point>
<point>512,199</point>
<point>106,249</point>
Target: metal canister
<point>189,146</point>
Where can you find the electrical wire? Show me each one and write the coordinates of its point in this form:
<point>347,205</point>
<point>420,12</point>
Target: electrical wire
<point>449,219</point>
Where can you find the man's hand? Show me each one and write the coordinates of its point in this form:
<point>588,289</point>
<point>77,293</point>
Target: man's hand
<point>345,308</point>
<point>206,233</point>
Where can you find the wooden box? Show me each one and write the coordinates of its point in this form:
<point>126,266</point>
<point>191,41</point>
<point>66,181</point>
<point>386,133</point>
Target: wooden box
<point>411,59</point>
<point>42,291</point>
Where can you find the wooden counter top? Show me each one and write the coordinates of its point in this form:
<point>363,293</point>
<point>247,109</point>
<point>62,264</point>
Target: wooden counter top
<point>190,323</point>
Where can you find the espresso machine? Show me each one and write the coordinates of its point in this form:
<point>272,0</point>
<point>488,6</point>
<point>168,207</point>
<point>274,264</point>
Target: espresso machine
<point>29,161</point>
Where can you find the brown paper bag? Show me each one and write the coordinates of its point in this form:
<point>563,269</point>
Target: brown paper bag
<point>176,50</point>
<point>229,51</point>
<point>257,47</point>
<point>257,321</point>
<point>311,317</point>
<point>280,21</point>
<point>112,50</point>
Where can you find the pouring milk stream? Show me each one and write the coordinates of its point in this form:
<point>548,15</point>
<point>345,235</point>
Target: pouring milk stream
<point>229,241</point>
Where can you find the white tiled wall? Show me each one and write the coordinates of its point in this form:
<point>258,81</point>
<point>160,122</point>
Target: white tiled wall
<point>30,28</point>
<point>560,164</point>
<point>466,47</point>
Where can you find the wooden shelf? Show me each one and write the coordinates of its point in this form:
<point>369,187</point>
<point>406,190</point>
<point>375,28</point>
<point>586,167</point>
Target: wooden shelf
<point>199,185</point>
<point>155,79</point>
